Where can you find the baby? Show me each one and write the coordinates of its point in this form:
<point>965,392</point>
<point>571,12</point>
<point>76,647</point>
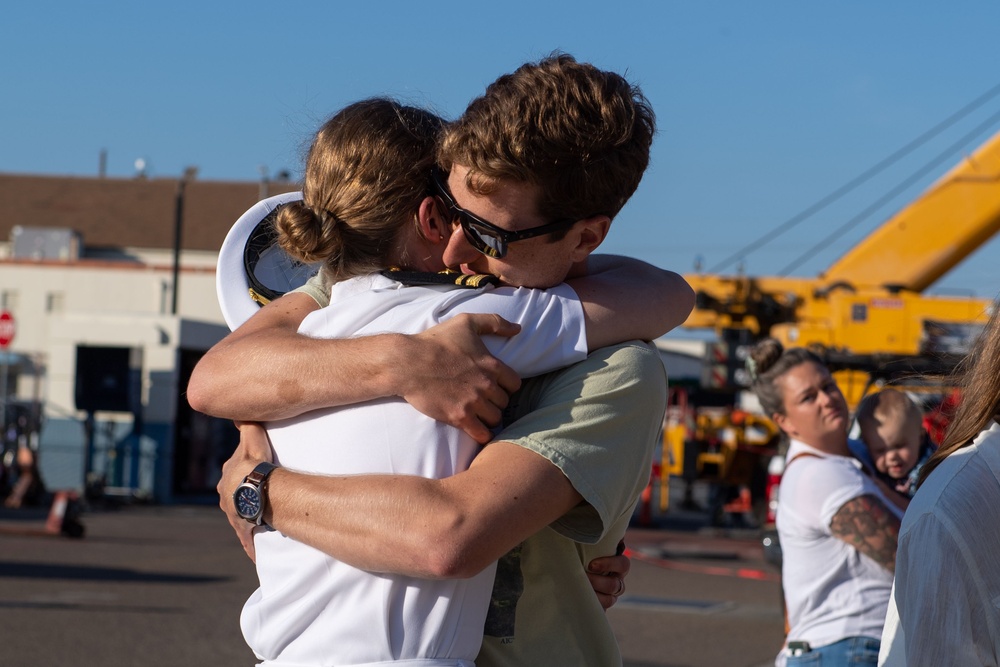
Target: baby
<point>892,430</point>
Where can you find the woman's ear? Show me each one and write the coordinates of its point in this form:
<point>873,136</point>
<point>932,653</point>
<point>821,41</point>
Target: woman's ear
<point>424,245</point>
<point>431,223</point>
<point>589,233</point>
<point>783,424</point>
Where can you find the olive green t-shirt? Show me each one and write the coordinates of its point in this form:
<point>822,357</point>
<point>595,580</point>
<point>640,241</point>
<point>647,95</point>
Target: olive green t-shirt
<point>599,422</point>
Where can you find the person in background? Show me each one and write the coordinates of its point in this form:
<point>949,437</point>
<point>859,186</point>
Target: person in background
<point>944,601</point>
<point>836,525</point>
<point>896,444</point>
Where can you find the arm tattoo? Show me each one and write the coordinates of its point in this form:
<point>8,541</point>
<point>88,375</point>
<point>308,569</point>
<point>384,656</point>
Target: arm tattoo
<point>867,525</point>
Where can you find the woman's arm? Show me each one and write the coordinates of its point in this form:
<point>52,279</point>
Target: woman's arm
<point>870,527</point>
<point>266,370</point>
<point>625,299</point>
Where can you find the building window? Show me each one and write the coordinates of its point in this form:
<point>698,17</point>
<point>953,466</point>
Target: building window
<point>54,302</point>
<point>8,300</point>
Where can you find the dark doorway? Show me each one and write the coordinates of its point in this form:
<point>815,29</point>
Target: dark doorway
<point>201,443</point>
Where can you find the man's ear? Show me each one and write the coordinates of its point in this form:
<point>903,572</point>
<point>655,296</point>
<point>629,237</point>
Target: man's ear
<point>590,233</point>
<point>430,223</point>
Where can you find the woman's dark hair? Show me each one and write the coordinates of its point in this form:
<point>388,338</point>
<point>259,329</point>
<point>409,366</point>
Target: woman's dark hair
<point>768,361</point>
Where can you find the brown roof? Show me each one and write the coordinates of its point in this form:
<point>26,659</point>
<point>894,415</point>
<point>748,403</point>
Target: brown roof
<point>123,213</point>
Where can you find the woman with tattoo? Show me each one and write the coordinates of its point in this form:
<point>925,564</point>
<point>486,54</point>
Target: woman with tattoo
<point>944,605</point>
<point>837,527</point>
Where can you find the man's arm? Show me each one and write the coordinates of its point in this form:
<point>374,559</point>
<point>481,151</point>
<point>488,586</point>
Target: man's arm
<point>266,370</point>
<point>429,528</point>
<point>870,527</point>
<point>625,299</point>
<point>606,575</point>
<point>454,527</point>
<point>445,372</point>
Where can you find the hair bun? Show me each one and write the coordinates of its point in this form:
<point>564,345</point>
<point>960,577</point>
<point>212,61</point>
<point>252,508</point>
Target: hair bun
<point>765,354</point>
<point>303,234</point>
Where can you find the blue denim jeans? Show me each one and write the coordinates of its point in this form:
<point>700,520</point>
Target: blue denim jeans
<point>853,651</point>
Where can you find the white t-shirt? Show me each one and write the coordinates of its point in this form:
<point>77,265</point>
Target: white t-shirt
<point>311,609</point>
<point>832,591</point>
<point>945,608</point>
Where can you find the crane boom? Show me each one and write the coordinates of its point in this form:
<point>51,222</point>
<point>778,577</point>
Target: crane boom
<point>866,314</point>
<point>932,235</point>
<point>870,301</point>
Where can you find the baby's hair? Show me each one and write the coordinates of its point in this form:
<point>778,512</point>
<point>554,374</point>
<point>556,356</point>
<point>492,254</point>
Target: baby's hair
<point>888,404</point>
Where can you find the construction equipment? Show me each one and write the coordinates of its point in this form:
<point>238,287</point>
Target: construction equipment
<point>866,316</point>
<point>720,445</point>
<point>867,312</point>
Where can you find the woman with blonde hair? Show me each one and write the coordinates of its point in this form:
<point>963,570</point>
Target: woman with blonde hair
<point>367,176</point>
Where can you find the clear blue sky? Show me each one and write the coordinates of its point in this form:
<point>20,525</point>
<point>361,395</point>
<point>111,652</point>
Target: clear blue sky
<point>763,107</point>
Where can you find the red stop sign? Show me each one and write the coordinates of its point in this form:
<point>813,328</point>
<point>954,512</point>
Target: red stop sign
<point>7,328</point>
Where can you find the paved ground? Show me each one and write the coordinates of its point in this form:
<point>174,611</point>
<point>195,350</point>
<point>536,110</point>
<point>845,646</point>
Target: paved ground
<point>698,599</point>
<point>163,586</point>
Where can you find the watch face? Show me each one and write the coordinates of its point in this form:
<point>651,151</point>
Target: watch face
<point>247,500</point>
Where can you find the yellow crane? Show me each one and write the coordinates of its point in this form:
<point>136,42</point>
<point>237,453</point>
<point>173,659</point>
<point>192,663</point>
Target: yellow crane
<point>868,308</point>
<point>866,315</point>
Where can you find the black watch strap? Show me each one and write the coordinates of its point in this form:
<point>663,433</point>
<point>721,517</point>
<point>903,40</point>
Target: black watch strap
<point>260,473</point>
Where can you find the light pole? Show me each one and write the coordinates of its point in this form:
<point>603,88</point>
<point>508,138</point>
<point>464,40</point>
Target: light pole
<point>189,175</point>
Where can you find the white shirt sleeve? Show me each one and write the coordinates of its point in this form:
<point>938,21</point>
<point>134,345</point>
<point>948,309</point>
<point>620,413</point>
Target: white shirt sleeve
<point>552,336</point>
<point>818,487</point>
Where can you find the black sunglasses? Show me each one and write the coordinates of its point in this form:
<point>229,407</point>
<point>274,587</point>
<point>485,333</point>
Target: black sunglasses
<point>484,236</point>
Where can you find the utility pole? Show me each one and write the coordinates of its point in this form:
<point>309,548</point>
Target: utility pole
<point>189,175</point>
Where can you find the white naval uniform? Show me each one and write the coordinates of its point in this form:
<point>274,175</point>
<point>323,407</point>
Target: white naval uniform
<point>310,608</point>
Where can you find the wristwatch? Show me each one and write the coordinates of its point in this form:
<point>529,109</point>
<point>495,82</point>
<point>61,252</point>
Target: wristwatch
<point>250,497</point>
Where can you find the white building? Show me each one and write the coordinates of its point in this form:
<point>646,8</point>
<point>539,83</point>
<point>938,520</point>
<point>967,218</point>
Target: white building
<point>111,315</point>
